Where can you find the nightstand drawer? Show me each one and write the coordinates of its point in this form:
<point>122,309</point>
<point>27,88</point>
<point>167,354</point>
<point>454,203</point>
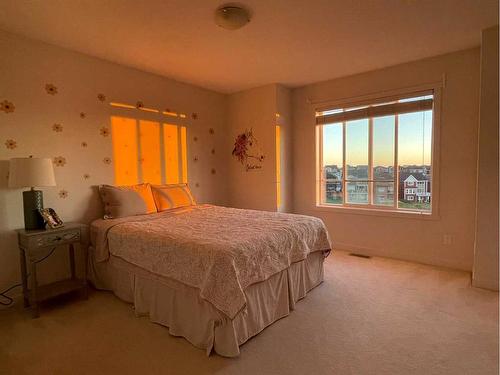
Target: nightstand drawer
<point>55,239</point>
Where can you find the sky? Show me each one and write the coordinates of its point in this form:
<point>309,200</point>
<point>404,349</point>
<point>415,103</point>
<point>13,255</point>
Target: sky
<point>414,141</point>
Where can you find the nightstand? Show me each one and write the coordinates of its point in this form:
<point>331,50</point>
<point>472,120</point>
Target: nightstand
<point>35,245</point>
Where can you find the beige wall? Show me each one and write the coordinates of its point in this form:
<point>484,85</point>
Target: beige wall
<point>413,239</point>
<point>25,68</point>
<point>255,109</point>
<point>485,273</point>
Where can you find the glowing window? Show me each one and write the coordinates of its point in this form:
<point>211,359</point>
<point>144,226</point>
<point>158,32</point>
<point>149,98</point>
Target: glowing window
<point>148,151</point>
<point>278,166</point>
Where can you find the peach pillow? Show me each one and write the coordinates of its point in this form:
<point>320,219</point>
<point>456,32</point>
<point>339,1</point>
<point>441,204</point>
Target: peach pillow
<point>172,196</point>
<point>121,201</point>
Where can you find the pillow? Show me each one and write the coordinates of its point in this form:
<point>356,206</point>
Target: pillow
<point>121,201</point>
<point>172,196</point>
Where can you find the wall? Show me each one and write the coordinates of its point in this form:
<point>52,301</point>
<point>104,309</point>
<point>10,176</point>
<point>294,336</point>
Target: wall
<point>414,239</point>
<point>485,273</point>
<point>25,69</point>
<point>253,109</point>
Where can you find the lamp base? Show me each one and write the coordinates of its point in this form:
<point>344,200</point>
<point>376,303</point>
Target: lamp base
<point>32,201</point>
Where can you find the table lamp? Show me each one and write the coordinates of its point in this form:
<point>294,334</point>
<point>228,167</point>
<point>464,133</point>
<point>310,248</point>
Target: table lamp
<point>31,172</point>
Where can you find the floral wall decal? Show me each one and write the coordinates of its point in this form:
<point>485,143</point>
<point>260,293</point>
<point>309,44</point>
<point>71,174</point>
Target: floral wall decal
<point>82,115</point>
<point>86,176</point>
<point>101,97</point>
<point>63,194</point>
<point>247,151</point>
<point>195,139</point>
<point>106,160</point>
<point>84,144</point>
<point>7,107</point>
<point>197,185</point>
<point>194,116</point>
<point>213,171</point>
<point>10,144</point>
<point>139,105</point>
<point>213,151</point>
<point>59,161</point>
<point>51,89</point>
<point>195,159</point>
<point>104,131</point>
<point>211,131</point>
<point>57,128</point>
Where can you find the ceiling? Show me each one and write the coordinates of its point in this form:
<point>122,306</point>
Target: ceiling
<point>293,42</point>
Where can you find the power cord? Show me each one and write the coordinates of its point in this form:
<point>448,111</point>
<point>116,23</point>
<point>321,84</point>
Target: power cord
<point>3,294</point>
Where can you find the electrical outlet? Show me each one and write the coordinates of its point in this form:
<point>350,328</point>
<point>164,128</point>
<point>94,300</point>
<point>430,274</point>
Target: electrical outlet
<point>447,239</point>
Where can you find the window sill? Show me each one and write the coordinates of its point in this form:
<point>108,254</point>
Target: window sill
<point>377,212</point>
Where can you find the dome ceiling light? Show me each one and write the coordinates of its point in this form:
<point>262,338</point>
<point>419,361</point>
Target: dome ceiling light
<point>231,17</point>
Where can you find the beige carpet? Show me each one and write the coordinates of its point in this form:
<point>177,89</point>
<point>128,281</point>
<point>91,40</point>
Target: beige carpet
<point>370,316</point>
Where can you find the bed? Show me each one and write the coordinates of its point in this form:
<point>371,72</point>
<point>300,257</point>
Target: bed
<point>214,275</point>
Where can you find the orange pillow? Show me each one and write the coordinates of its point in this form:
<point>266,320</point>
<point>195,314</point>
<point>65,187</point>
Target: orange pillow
<point>171,196</point>
<point>121,201</point>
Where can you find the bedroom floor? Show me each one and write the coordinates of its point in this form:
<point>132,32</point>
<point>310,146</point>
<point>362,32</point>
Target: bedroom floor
<point>370,316</point>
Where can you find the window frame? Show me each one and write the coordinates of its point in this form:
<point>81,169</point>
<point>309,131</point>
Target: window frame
<point>371,209</point>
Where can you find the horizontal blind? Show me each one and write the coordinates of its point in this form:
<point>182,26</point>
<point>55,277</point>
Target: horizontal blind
<point>375,111</point>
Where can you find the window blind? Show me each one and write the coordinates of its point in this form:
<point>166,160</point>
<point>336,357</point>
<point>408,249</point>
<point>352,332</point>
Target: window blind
<point>376,110</point>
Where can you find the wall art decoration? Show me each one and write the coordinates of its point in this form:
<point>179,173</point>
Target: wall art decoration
<point>101,97</point>
<point>194,116</point>
<point>7,107</point>
<point>86,176</point>
<point>10,144</point>
<point>51,89</point>
<point>63,194</point>
<point>211,131</point>
<point>104,131</point>
<point>248,152</point>
<point>57,128</point>
<point>106,160</point>
<point>84,144</point>
<point>139,105</point>
<point>213,151</point>
<point>82,115</point>
<point>59,161</point>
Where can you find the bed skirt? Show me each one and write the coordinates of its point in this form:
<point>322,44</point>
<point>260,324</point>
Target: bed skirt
<point>180,308</point>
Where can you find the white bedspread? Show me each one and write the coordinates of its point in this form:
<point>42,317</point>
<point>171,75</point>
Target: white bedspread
<point>218,250</point>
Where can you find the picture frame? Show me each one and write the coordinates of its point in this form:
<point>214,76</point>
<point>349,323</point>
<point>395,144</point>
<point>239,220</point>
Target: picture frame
<point>51,218</point>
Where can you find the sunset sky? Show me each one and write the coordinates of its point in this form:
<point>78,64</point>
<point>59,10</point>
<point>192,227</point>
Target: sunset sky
<point>414,141</point>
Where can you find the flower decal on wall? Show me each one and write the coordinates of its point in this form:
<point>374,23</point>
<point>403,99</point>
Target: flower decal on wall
<point>101,97</point>
<point>82,115</point>
<point>195,159</point>
<point>84,144</point>
<point>57,128</point>
<point>63,194</point>
<point>10,144</point>
<point>51,89</point>
<point>86,176</point>
<point>104,131</point>
<point>213,171</point>
<point>139,105</point>
<point>213,151</point>
<point>247,151</point>
<point>195,139</point>
<point>197,185</point>
<point>7,107</point>
<point>106,160</point>
<point>59,161</point>
<point>194,116</point>
<point>211,131</point>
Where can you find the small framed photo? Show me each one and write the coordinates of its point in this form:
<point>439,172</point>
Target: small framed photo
<point>52,220</point>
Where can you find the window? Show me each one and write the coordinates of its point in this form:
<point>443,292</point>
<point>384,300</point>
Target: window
<point>377,155</point>
<point>148,151</point>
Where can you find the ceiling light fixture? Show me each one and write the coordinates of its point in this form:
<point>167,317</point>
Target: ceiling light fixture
<point>231,17</point>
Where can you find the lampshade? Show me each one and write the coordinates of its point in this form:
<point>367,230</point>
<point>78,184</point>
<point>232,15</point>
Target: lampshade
<point>31,172</point>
